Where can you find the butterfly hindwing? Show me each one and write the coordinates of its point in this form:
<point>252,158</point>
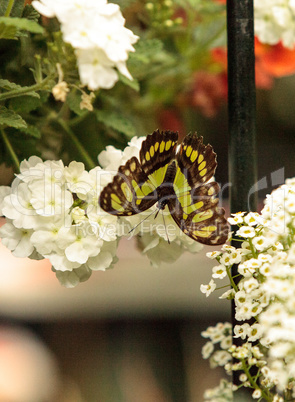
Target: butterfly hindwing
<point>198,216</point>
<point>130,192</point>
<point>194,208</point>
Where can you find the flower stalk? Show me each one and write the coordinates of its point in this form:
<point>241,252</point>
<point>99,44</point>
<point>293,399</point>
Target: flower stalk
<point>10,150</point>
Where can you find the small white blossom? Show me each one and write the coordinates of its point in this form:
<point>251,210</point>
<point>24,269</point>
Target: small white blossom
<point>208,289</point>
<point>207,350</point>
<point>219,271</point>
<point>246,231</point>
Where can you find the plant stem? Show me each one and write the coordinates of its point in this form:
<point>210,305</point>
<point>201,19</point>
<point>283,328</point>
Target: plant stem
<point>84,154</point>
<point>24,90</point>
<point>232,282</point>
<point>9,8</point>
<point>11,151</point>
<point>252,381</point>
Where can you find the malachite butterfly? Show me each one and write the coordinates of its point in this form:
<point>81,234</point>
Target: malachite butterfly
<point>174,176</point>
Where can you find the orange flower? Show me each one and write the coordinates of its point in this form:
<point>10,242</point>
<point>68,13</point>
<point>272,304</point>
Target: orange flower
<point>272,61</point>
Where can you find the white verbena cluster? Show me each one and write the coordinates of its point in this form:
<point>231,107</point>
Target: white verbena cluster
<point>52,212</point>
<point>153,232</point>
<point>274,21</point>
<point>95,29</point>
<point>263,295</point>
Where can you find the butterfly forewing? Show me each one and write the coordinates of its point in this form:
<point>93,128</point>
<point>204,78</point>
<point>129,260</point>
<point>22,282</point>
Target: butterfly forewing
<point>130,192</point>
<point>156,153</point>
<point>196,160</point>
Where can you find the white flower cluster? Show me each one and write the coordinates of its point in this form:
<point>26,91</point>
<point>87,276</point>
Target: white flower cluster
<point>52,212</point>
<point>96,31</point>
<point>275,21</point>
<point>264,294</point>
<point>153,233</point>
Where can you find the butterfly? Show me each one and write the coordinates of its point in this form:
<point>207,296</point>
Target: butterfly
<point>173,175</point>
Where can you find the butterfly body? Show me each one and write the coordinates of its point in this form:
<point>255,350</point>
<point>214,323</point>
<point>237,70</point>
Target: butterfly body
<point>174,178</point>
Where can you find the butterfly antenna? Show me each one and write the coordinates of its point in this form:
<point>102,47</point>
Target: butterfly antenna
<point>142,221</point>
<point>165,227</point>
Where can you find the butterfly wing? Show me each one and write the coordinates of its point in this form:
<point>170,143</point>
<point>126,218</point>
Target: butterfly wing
<point>156,153</point>
<point>134,188</point>
<point>130,192</point>
<point>195,206</point>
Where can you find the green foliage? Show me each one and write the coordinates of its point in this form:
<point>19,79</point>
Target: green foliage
<point>10,86</point>
<point>16,10</point>
<point>10,28</point>
<point>73,101</point>
<point>116,121</point>
<point>10,118</point>
<point>31,131</point>
<point>175,41</point>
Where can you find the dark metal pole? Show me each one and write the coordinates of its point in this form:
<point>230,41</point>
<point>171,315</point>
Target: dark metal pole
<point>242,115</point>
<point>241,104</point>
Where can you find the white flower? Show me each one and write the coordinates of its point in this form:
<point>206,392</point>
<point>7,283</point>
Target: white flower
<point>18,206</point>
<point>213,254</point>
<point>96,30</point>
<point>110,158</point>
<point>241,331</point>
<point>208,289</point>
<point>207,350</point>
<point>70,279</point>
<point>77,179</point>
<point>17,240</point>
<point>274,21</point>
<point>105,258</point>
<point>220,358</point>
<point>252,219</point>
<point>45,236</point>
<point>229,294</point>
<point>256,394</point>
<point>4,191</point>
<point>250,284</point>
<point>95,69</point>
<point>255,332</point>
<point>246,231</point>
<point>236,218</point>
<point>79,242</point>
<point>260,242</point>
<point>219,271</point>
<point>51,200</point>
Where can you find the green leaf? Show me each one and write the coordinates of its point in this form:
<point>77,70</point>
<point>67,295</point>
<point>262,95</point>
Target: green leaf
<point>145,50</point>
<point>17,8</point>
<point>11,119</point>
<point>21,24</point>
<point>31,131</point>
<point>30,13</point>
<point>73,101</point>
<point>25,104</point>
<point>134,84</point>
<point>116,121</point>
<point>11,86</point>
<point>7,32</point>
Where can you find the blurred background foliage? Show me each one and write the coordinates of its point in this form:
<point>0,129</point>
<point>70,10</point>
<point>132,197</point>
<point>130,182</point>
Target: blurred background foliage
<point>180,83</point>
